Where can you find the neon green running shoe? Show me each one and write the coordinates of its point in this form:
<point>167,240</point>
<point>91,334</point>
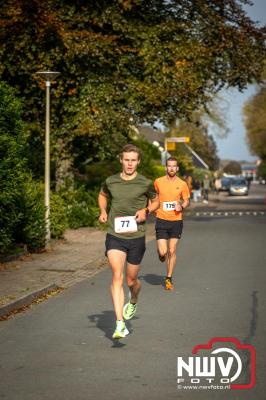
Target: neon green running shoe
<point>129,310</point>
<point>121,330</point>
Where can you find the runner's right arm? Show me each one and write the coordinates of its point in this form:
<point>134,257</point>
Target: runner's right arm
<point>102,202</point>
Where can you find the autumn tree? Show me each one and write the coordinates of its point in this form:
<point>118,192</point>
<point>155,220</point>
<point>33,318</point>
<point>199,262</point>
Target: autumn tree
<point>233,167</point>
<point>255,123</point>
<point>147,60</point>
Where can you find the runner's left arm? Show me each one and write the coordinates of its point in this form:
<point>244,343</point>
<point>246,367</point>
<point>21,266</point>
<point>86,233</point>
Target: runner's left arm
<point>181,206</point>
<point>154,203</point>
<point>141,215</point>
<point>185,199</point>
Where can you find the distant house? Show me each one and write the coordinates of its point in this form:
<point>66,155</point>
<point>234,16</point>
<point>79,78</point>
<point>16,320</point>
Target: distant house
<point>249,170</point>
<point>151,134</point>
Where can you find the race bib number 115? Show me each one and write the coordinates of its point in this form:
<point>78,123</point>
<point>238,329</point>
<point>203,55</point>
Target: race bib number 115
<point>125,224</point>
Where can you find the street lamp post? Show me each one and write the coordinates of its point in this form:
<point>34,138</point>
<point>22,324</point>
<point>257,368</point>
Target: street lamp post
<point>47,76</point>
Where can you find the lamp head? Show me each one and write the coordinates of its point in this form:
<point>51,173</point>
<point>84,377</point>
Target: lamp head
<point>48,76</point>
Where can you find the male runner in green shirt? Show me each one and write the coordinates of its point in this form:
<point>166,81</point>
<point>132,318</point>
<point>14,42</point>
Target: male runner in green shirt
<point>129,194</point>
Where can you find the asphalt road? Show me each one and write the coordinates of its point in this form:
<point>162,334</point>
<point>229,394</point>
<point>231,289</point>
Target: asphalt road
<point>62,348</point>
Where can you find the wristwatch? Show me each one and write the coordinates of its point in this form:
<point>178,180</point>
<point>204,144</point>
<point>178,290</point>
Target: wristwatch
<point>147,210</point>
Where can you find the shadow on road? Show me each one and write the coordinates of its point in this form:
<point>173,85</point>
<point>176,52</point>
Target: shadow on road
<point>152,279</point>
<point>252,331</point>
<point>254,318</point>
<point>105,322</point>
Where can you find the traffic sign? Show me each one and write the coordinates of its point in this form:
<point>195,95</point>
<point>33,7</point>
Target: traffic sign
<point>170,146</point>
<point>181,139</point>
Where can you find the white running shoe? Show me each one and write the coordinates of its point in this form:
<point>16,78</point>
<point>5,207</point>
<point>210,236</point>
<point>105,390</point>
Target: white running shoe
<point>121,330</point>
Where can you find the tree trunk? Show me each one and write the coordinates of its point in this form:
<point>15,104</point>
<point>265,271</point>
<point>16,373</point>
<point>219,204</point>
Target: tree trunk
<point>64,174</point>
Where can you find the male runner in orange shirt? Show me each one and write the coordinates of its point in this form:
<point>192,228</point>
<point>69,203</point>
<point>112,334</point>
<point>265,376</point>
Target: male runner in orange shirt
<point>174,198</point>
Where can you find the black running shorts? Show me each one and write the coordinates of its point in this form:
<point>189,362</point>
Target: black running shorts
<point>134,248</point>
<point>168,229</point>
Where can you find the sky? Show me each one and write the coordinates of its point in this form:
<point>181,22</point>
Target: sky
<point>234,146</point>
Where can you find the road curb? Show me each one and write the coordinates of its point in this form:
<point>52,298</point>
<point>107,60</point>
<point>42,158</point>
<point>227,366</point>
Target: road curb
<point>26,300</point>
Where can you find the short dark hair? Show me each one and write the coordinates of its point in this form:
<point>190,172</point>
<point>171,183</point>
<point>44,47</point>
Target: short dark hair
<point>130,148</point>
<point>171,159</point>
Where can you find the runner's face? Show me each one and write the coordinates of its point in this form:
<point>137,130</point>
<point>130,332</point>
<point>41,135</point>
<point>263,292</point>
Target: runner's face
<point>171,168</point>
<point>130,162</point>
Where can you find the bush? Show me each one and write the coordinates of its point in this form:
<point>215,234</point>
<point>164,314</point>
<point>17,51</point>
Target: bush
<point>12,166</point>
<point>22,210</point>
<point>150,161</point>
<point>33,231</point>
<point>58,217</point>
<point>81,207</point>
<point>97,172</point>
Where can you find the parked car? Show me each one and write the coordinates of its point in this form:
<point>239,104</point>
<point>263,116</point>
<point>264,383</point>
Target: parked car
<point>238,187</point>
<point>225,184</point>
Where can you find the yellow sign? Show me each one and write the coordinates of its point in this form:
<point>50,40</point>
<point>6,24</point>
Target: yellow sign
<point>170,146</point>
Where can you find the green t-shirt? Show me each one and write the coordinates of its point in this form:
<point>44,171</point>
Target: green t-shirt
<point>127,197</point>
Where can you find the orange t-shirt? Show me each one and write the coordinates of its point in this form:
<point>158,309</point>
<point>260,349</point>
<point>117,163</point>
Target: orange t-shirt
<point>170,193</point>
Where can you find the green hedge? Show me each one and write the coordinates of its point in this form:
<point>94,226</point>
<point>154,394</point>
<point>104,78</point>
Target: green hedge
<point>12,165</point>
<point>58,216</point>
<point>81,207</point>
<point>22,210</point>
<point>32,228</point>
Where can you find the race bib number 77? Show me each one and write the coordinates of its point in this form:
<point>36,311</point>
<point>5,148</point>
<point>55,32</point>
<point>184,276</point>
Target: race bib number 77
<point>125,224</point>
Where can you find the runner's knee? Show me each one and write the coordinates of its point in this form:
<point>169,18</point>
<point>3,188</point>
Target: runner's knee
<point>162,252</point>
<point>172,252</point>
<point>117,278</point>
<point>131,281</point>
